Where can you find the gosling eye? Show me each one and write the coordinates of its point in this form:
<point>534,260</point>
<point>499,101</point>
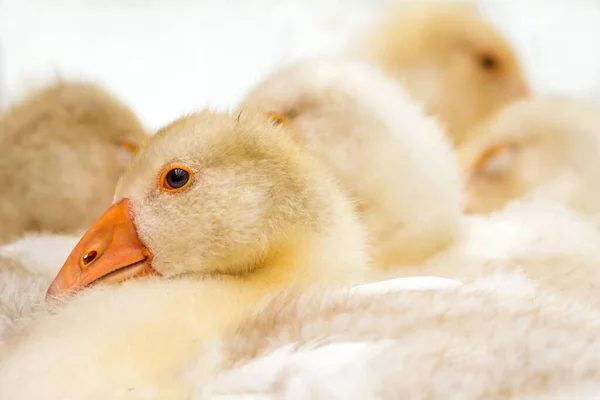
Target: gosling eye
<point>278,119</point>
<point>496,160</point>
<point>498,164</point>
<point>175,179</point>
<point>488,62</point>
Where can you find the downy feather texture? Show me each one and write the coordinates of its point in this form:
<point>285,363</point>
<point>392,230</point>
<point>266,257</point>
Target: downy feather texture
<point>62,150</point>
<point>449,58</point>
<point>497,337</point>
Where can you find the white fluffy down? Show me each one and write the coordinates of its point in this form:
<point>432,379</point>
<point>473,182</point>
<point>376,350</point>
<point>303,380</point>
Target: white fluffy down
<point>41,253</point>
<point>386,153</point>
<point>544,240</point>
<point>496,337</point>
<point>461,341</point>
<point>27,266</point>
<point>422,204</point>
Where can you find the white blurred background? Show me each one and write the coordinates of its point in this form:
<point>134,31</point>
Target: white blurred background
<point>167,57</point>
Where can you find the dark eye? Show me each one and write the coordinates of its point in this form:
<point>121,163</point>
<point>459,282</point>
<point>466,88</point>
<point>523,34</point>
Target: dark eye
<point>488,62</point>
<point>175,179</point>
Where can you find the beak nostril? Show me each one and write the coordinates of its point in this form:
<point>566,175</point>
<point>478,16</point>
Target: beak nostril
<point>89,257</point>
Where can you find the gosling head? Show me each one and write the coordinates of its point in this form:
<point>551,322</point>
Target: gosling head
<point>209,194</point>
<point>526,146</point>
<point>62,151</point>
<point>395,162</point>
<point>451,59</point>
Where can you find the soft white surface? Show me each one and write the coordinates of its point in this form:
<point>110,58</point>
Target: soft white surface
<point>167,57</point>
<point>414,283</point>
<point>319,368</point>
<point>41,253</point>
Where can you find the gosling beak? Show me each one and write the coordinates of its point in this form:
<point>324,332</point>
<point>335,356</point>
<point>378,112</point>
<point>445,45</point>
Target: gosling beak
<point>110,252</point>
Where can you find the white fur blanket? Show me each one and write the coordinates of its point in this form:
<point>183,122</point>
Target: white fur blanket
<point>425,337</point>
<point>27,266</point>
<point>495,338</point>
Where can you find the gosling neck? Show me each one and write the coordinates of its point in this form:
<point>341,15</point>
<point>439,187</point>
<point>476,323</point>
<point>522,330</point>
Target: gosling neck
<point>332,251</point>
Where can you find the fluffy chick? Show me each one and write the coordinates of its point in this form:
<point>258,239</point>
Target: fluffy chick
<point>448,57</point>
<point>62,150</point>
<point>545,147</point>
<point>389,157</point>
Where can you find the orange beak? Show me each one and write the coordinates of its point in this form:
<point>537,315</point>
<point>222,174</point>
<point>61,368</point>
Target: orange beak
<point>110,252</point>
